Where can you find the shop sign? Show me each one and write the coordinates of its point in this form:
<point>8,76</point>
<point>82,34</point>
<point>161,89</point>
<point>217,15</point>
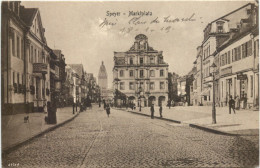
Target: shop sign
<point>226,71</point>
<point>40,68</point>
<point>241,76</point>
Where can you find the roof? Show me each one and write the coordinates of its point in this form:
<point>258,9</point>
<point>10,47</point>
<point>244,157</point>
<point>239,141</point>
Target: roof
<point>223,17</point>
<point>78,68</point>
<point>28,14</point>
<point>57,53</point>
<point>119,54</point>
<point>238,36</point>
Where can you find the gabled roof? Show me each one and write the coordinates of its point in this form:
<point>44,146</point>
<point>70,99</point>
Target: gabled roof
<point>78,68</point>
<point>27,15</point>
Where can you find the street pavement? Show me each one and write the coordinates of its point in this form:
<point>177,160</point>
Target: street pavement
<point>126,140</point>
<point>244,122</point>
<point>15,131</point>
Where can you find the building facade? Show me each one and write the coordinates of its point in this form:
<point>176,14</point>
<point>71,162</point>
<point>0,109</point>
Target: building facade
<point>25,60</point>
<point>141,74</point>
<point>216,34</point>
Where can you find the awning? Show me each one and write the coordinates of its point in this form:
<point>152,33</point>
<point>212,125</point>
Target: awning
<point>205,92</point>
<point>119,94</point>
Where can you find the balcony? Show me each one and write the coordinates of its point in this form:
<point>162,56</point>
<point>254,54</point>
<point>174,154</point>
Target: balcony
<point>40,68</point>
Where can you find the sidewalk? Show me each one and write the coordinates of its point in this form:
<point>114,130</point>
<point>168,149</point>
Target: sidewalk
<point>15,131</point>
<point>244,122</point>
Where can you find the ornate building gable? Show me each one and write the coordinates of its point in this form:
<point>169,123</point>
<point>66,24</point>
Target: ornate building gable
<point>32,18</point>
<point>141,44</point>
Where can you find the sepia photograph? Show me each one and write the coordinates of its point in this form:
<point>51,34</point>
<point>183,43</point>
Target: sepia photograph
<point>131,84</point>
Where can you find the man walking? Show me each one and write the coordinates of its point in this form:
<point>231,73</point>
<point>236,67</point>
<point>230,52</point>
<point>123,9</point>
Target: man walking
<point>160,110</point>
<point>231,105</point>
<point>152,111</point>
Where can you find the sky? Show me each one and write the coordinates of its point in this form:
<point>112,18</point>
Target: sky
<point>90,32</point>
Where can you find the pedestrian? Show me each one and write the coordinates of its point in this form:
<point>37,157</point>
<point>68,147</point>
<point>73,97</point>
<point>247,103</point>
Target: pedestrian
<point>169,104</point>
<point>152,111</point>
<point>108,110</point>
<point>160,110</point>
<point>231,105</point>
<point>237,103</point>
<point>104,105</point>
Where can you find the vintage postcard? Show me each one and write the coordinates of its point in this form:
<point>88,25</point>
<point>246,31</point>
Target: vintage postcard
<point>129,84</point>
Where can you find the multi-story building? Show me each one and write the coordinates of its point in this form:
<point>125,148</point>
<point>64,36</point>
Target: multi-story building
<point>197,83</point>
<point>215,34</point>
<point>70,85</point>
<point>237,63</point>
<point>141,73</point>
<point>25,60</point>
<point>79,74</point>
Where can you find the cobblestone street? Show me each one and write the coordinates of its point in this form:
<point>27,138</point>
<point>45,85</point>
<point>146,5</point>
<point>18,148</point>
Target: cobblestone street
<point>127,140</point>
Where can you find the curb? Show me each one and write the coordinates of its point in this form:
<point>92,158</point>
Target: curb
<point>190,125</point>
<point>19,144</point>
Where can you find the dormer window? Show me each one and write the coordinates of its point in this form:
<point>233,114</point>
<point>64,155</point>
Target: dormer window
<point>220,28</point>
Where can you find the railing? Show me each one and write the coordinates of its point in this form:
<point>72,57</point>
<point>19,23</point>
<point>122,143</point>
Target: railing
<point>40,68</point>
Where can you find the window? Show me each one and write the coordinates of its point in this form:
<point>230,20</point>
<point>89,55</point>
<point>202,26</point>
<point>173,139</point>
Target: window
<point>122,86</point>
<point>131,61</point>
<point>152,60</point>
<point>161,72</point>
<point>222,89</point>
<point>121,73</point>
<point>152,73</point>
<point>244,50</point>
<point>141,60</point>
<point>252,85</point>
<point>18,47</point>
<point>225,58</point>
<point>239,53</point>
<point>13,44</point>
<point>151,85</point>
<point>142,85</point>
<point>13,77</point>
<point>141,73</point>
<point>220,27</point>
<point>18,80</point>
<point>161,85</point>
<point>131,73</point>
<point>228,57</point>
<point>131,85</point>
<point>35,59</point>
<point>249,48</point>
<point>22,50</point>
<point>31,55</point>
<point>39,58</point>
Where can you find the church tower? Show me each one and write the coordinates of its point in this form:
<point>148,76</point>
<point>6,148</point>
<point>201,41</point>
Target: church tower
<point>102,77</point>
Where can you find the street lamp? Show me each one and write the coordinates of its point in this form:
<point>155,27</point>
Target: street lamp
<point>213,67</point>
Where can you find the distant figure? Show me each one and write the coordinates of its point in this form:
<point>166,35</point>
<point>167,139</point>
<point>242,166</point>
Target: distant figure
<point>160,110</point>
<point>169,104</point>
<point>108,110</point>
<point>99,104</point>
<point>152,111</point>
<point>231,105</point>
<point>104,104</point>
<point>237,103</point>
